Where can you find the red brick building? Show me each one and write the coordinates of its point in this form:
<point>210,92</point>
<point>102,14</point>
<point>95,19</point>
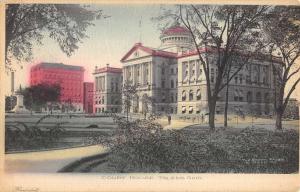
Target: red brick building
<point>69,77</point>
<point>88,95</point>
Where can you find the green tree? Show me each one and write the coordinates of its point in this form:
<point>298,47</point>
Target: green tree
<point>282,29</point>
<point>37,96</point>
<point>27,24</point>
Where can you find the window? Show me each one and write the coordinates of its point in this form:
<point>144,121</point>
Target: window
<point>172,98</point>
<point>258,97</point>
<point>241,79</point>
<point>183,95</point>
<point>163,99</point>
<point>162,84</point>
<point>267,98</point>
<point>163,71</point>
<point>191,95</point>
<point>249,97</point>
<point>235,79</point>
<point>172,71</point>
<point>172,83</point>
<point>176,82</point>
<point>241,96</point>
<point>198,94</point>
<point>236,95</point>
<point>183,109</point>
<point>248,79</point>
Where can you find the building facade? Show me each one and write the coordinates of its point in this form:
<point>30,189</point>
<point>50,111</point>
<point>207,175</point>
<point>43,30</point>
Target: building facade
<point>108,84</point>
<point>88,97</point>
<point>173,77</point>
<point>70,78</point>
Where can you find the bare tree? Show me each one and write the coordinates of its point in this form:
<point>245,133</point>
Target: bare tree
<point>147,103</point>
<point>129,92</point>
<point>282,29</point>
<point>222,30</point>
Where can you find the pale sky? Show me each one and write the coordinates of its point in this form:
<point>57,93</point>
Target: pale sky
<point>109,40</point>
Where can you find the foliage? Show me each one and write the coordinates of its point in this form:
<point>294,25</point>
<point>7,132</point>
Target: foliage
<point>129,93</point>
<point>37,96</point>
<point>10,102</point>
<point>282,30</point>
<point>143,146</point>
<point>27,24</point>
<point>23,136</point>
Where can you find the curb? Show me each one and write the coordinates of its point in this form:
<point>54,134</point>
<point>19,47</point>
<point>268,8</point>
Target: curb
<point>72,166</point>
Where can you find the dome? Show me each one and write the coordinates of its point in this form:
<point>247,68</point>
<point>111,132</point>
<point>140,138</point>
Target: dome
<point>176,30</point>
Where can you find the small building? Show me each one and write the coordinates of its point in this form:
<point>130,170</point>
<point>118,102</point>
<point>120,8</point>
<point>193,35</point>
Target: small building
<point>88,97</point>
<point>108,94</point>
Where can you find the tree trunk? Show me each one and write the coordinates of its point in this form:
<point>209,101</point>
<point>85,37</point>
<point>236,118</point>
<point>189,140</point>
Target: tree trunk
<point>226,106</point>
<point>278,124</point>
<point>212,108</point>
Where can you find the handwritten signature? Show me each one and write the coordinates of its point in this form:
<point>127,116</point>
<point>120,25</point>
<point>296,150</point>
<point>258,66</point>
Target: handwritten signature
<point>24,189</point>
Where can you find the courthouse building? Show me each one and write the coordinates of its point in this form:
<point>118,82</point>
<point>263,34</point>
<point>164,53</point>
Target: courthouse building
<point>108,84</point>
<point>173,77</point>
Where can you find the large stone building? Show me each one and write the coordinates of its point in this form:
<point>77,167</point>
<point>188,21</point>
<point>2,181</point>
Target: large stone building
<point>108,83</point>
<point>69,77</point>
<point>173,77</point>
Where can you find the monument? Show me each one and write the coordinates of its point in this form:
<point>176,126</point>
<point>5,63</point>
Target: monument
<point>20,108</point>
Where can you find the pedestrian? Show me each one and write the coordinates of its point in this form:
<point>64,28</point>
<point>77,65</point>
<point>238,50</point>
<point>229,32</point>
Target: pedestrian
<point>169,119</point>
<point>202,118</point>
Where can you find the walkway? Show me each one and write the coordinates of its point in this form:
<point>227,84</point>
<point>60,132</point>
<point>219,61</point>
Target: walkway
<point>47,161</point>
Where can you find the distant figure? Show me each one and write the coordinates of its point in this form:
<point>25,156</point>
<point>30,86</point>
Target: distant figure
<point>202,118</point>
<point>169,119</point>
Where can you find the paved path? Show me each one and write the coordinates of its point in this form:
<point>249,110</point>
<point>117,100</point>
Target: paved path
<point>47,161</point>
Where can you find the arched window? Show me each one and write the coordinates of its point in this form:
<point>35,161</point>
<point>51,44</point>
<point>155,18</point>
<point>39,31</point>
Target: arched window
<point>191,95</point>
<point>258,97</point>
<point>183,95</point>
<point>198,94</point>
<point>249,97</point>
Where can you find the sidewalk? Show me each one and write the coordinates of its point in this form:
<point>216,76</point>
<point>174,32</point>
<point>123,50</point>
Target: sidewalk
<point>47,161</point>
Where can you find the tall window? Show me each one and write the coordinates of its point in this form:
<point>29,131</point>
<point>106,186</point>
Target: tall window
<point>163,71</point>
<point>241,78</point>
<point>267,98</point>
<point>163,84</point>
<point>258,97</point>
<point>191,95</point>
<point>172,83</point>
<point>172,98</point>
<point>249,97</point>
<point>198,94</point>
<point>241,95</point>
<point>183,95</point>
